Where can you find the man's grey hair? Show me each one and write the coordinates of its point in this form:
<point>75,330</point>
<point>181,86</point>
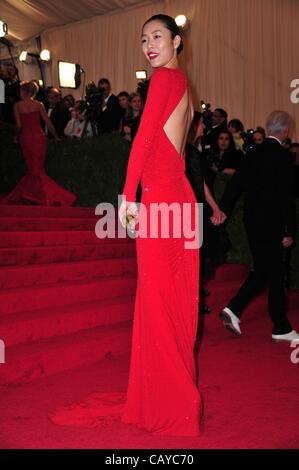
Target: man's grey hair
<point>278,122</point>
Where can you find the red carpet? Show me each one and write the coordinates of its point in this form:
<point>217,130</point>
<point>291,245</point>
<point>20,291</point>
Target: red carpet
<point>66,305</point>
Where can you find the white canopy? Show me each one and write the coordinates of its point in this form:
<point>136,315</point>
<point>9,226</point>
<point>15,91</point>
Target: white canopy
<point>28,18</point>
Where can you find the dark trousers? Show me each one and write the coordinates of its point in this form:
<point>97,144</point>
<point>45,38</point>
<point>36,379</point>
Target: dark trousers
<point>269,266</point>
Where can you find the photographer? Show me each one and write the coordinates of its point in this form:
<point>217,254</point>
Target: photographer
<point>110,110</point>
<point>12,91</point>
<point>78,126</point>
<point>219,124</point>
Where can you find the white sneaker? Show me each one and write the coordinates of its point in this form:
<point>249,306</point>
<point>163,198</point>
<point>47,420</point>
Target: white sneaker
<point>293,336</point>
<point>230,321</point>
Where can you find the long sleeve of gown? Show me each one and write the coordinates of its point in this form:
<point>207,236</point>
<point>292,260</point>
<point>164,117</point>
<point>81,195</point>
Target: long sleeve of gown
<point>156,102</point>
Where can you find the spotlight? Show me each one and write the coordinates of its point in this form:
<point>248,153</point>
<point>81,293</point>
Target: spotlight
<point>23,56</point>
<point>181,21</point>
<point>3,29</point>
<point>141,74</point>
<point>45,55</point>
<point>69,74</point>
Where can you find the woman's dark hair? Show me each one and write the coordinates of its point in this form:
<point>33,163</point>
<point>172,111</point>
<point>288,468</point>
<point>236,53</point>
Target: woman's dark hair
<point>261,130</point>
<point>123,93</point>
<point>69,98</point>
<point>236,124</point>
<point>170,24</point>
<point>231,148</point>
<point>129,112</point>
<point>194,125</point>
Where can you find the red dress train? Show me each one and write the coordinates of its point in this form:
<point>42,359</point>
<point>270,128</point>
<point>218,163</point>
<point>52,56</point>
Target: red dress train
<point>162,394</point>
<point>36,187</point>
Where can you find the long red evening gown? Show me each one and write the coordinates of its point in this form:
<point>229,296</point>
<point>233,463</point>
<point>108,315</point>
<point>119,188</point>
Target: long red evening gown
<point>162,394</point>
<point>36,187</point>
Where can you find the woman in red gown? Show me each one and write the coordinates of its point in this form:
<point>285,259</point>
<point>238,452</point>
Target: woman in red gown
<point>163,396</point>
<point>35,187</point>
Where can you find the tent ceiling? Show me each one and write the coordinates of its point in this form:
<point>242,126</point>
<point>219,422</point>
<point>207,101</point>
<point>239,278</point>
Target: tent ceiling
<point>28,18</point>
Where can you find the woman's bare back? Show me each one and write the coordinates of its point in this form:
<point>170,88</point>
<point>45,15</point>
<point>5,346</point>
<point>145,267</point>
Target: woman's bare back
<point>28,106</point>
<point>177,125</point>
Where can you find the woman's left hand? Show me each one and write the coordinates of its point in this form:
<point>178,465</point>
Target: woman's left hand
<point>218,217</point>
<point>127,212</point>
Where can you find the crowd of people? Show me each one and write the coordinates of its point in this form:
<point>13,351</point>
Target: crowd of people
<point>100,112</point>
<point>222,144</point>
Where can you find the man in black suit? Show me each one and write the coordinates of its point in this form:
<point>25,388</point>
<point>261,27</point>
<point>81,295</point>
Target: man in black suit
<point>219,124</point>
<point>58,112</point>
<point>111,112</point>
<point>12,92</point>
<point>265,177</point>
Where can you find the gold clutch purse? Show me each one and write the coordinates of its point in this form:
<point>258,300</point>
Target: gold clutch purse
<point>129,222</point>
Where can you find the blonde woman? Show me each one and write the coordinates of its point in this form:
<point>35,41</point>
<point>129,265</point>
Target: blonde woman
<point>36,187</point>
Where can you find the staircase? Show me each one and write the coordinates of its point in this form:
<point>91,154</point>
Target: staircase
<point>66,296</point>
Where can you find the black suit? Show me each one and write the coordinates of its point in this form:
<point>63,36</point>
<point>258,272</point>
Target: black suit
<point>265,177</point>
<point>109,119</point>
<point>195,171</point>
<point>60,116</point>
<point>12,95</point>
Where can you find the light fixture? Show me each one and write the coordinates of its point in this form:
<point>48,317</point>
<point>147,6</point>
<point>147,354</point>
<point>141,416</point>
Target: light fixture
<point>3,29</point>
<point>183,23</point>
<point>45,55</point>
<point>181,20</point>
<point>69,74</point>
<point>23,56</point>
<point>141,74</point>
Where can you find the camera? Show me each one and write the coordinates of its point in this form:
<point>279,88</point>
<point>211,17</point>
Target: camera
<point>94,98</point>
<point>207,114</point>
<point>247,136</point>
